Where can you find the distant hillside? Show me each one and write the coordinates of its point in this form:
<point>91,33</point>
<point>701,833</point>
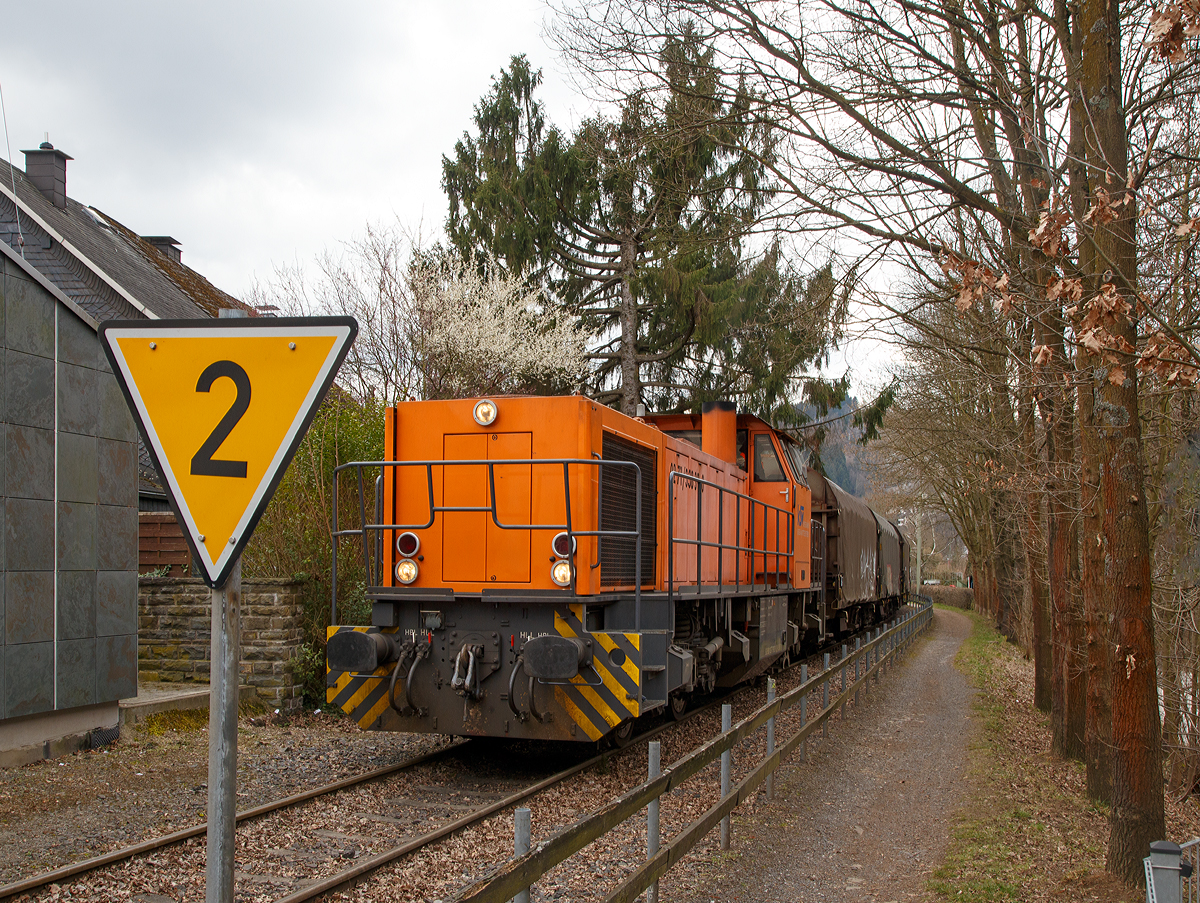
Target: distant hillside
<point>839,456</point>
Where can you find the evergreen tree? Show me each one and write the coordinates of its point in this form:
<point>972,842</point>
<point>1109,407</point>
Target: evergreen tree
<point>640,225</point>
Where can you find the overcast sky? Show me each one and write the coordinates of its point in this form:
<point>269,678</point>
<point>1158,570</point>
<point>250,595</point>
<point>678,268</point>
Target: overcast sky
<point>261,133</point>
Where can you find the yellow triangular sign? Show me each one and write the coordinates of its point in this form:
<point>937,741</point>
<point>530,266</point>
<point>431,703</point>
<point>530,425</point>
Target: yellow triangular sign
<point>222,406</point>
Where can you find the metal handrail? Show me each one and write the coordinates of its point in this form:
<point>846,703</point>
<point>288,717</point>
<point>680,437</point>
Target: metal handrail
<point>720,544</point>
<point>366,528</point>
<point>502,882</point>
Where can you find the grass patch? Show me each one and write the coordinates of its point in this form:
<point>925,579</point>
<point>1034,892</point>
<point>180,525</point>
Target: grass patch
<point>179,720</point>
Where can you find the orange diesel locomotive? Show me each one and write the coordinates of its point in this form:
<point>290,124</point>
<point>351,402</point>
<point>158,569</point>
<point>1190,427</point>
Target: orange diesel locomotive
<point>550,568</point>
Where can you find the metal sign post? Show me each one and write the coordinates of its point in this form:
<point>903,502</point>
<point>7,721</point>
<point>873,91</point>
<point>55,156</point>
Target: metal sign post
<point>222,407</point>
<point>224,659</point>
<point>222,736</point>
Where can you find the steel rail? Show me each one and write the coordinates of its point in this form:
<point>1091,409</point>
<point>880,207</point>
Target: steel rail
<point>372,863</point>
<point>376,862</point>
<point>166,840</point>
<point>379,860</point>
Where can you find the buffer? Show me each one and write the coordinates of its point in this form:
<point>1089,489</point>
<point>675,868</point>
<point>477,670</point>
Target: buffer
<point>222,406</point>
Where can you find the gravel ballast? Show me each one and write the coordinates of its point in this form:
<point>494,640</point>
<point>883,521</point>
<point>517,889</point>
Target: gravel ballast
<point>858,820</point>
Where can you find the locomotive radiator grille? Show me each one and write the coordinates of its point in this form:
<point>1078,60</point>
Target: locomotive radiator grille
<point>363,697</point>
<point>618,494</point>
<point>599,708</point>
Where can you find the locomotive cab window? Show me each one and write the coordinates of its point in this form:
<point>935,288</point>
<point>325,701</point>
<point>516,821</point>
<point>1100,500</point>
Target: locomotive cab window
<point>767,468</point>
<point>797,458</point>
<point>743,438</point>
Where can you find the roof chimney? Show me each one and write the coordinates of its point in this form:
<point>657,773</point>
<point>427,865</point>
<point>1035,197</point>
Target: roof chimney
<point>47,169</point>
<point>167,245</point>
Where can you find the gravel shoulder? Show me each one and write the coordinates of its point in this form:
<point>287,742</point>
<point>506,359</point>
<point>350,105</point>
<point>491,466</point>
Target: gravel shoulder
<point>151,782</point>
<point>869,815</point>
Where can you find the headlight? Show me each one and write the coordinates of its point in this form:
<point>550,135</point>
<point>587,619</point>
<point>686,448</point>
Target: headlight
<point>485,412</point>
<point>406,570</point>
<point>560,573</point>
<point>563,545</point>
<point>407,544</point>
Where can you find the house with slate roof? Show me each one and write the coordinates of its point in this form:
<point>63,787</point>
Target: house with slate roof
<point>70,474</point>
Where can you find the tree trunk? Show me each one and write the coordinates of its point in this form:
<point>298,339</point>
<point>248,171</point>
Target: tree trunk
<point>1068,702</point>
<point>1097,612</point>
<point>631,387</point>
<point>1137,781</point>
<point>1043,652</point>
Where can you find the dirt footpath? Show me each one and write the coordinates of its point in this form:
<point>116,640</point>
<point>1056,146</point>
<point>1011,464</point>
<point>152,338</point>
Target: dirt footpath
<point>868,817</point>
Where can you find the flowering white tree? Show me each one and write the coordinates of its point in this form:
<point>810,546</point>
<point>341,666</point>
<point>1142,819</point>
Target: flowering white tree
<point>432,325</point>
<point>487,332</point>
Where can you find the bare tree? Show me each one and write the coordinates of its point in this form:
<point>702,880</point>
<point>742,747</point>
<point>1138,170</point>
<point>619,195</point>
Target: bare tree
<point>1027,128</point>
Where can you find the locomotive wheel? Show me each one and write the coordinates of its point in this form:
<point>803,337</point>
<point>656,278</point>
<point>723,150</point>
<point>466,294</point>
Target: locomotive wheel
<point>678,705</point>
<point>622,734</point>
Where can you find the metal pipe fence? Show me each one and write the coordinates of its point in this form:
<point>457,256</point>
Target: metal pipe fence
<point>522,871</point>
<point>781,556</point>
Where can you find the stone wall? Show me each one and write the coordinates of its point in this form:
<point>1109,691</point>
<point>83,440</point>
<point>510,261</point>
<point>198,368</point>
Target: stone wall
<point>174,620</point>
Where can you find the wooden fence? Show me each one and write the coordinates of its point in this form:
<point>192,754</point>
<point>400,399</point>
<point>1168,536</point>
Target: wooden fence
<point>521,872</point>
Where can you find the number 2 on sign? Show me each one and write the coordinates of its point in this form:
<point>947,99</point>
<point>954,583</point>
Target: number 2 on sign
<point>202,462</point>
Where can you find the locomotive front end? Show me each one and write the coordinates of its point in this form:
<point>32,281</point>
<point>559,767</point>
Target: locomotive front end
<point>506,554</point>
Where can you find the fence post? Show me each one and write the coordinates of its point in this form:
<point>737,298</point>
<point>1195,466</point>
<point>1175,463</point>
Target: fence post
<point>804,712</point>
<point>770,737</point>
<point>655,770</point>
<point>521,835</point>
<point>1162,872</point>
<point>857,662</point>
<point>875,634</point>
<point>825,698</point>
<point>726,760</point>
<point>843,680</point>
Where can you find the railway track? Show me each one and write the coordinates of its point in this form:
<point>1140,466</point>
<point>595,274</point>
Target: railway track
<point>371,834</point>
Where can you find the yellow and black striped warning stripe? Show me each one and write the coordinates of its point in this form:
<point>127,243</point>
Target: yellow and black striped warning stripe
<point>361,696</point>
<point>616,660</point>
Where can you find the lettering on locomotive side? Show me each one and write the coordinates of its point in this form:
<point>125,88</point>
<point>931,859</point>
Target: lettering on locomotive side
<point>685,483</point>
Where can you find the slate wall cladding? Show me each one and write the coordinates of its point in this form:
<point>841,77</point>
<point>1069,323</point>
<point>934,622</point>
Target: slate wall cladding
<point>174,624</point>
<point>84,651</point>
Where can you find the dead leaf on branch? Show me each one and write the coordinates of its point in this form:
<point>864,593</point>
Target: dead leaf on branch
<point>1165,358</point>
<point>1116,376</point>
<point>1112,349</point>
<point>1042,355</point>
<point>1104,209</point>
<point>1047,236</point>
<point>976,280</point>
<point>1171,26</point>
<point>1064,289</point>
<point>1190,225</point>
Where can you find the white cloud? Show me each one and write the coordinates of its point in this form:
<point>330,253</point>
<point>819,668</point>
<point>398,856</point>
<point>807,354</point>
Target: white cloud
<point>260,133</point>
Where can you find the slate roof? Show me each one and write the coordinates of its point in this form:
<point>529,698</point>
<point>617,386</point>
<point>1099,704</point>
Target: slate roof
<point>163,286</point>
<point>97,242</point>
